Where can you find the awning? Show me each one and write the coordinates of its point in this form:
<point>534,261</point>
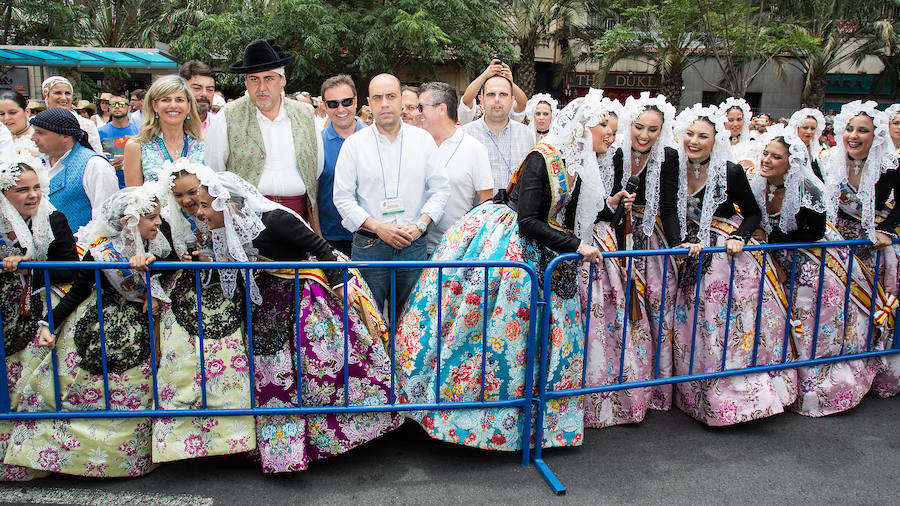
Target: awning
<point>63,56</point>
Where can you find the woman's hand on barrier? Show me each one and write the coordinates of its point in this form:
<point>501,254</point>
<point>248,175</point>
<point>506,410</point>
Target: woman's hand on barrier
<point>590,253</point>
<point>623,197</point>
<point>46,339</point>
<point>196,256</point>
<point>760,235</point>
<point>156,306</point>
<point>11,263</point>
<point>882,241</point>
<point>694,247</point>
<point>734,247</point>
<point>141,262</point>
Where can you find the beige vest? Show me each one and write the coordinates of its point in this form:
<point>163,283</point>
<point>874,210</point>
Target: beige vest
<point>247,152</point>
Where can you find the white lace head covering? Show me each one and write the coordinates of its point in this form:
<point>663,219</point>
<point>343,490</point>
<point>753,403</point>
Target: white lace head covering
<point>242,206</point>
<point>129,203</point>
<point>181,227</point>
<point>882,157</point>
<point>605,160</point>
<point>570,134</point>
<point>633,108</point>
<point>716,174</point>
<point>36,238</point>
<point>741,104</point>
<point>892,111</point>
<point>797,120</point>
<point>532,104</point>
<point>801,187</point>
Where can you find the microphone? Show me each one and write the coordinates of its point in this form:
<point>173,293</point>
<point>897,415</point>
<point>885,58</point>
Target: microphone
<point>191,244</point>
<point>630,187</point>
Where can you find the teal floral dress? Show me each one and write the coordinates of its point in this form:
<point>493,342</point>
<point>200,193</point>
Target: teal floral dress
<point>154,154</point>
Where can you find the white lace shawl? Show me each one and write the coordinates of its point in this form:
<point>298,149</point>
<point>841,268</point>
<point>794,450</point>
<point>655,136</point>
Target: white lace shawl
<point>570,134</point>
<point>716,174</point>
<point>797,120</point>
<point>881,158</point>
<point>532,104</point>
<point>633,109</point>
<point>35,235</point>
<point>605,160</point>
<point>801,187</point>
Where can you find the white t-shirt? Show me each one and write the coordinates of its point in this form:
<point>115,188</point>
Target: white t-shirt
<point>465,162</point>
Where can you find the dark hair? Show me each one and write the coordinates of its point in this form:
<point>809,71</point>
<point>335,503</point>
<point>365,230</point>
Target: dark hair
<point>339,79</point>
<point>735,107</point>
<point>442,93</point>
<point>140,92</point>
<point>193,68</point>
<point>481,91</point>
<point>15,97</point>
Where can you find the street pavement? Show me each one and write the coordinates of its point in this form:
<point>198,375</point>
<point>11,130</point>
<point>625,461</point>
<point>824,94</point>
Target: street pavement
<point>851,458</point>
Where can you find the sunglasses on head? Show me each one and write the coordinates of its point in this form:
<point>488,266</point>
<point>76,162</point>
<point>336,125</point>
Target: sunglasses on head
<point>118,104</point>
<point>333,104</point>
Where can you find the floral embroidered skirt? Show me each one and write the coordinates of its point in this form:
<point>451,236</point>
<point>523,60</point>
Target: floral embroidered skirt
<point>102,447</point>
<point>489,232</point>
<point>731,399</point>
<point>19,343</point>
<point>179,380</point>
<point>826,389</point>
<point>289,442</point>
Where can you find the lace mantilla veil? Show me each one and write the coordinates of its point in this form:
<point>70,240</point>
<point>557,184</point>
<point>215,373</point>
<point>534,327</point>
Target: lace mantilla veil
<point>797,120</point>
<point>35,235</point>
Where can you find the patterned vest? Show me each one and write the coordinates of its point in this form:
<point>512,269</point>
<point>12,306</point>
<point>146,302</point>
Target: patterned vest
<point>247,152</point>
<point>67,187</point>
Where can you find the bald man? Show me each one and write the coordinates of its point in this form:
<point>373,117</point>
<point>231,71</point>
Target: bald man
<point>388,190</point>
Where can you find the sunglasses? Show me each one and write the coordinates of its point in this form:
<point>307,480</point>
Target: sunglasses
<point>118,104</point>
<point>333,104</point>
<point>420,106</point>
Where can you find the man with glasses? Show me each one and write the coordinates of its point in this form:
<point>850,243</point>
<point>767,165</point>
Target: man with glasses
<point>267,140</point>
<point>388,190</point>
<point>339,96</point>
<point>464,159</point>
<point>507,142</point>
<point>203,85</point>
<point>115,134</point>
<point>409,98</point>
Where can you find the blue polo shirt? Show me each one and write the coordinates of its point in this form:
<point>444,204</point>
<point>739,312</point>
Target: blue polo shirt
<point>329,218</point>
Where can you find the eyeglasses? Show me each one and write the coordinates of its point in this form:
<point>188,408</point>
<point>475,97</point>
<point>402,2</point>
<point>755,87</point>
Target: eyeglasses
<point>420,106</point>
<point>118,104</point>
<point>333,104</point>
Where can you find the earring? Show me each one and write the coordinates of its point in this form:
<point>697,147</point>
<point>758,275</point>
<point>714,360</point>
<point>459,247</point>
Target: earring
<point>188,116</point>
<point>156,116</point>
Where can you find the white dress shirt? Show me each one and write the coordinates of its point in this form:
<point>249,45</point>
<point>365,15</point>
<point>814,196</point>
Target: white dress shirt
<point>99,179</point>
<point>465,162</point>
<point>280,176</point>
<point>371,169</point>
<point>91,129</point>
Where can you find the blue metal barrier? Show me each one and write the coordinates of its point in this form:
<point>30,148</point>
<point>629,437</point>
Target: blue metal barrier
<point>524,403</point>
<point>544,394</point>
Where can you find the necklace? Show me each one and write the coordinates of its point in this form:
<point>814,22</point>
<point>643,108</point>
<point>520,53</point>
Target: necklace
<point>636,156</point>
<point>697,166</point>
<point>857,164</point>
<point>734,140</point>
<point>22,131</point>
<point>543,132</point>
<point>772,189</point>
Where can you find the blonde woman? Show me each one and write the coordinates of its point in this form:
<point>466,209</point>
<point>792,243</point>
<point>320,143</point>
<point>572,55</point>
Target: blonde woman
<point>170,130</point>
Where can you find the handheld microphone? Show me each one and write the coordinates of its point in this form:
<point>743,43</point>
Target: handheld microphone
<point>191,244</point>
<point>631,186</point>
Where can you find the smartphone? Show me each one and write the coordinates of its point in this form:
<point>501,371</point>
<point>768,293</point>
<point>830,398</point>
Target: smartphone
<point>497,58</point>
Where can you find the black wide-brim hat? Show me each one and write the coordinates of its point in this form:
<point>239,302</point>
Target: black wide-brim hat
<point>261,55</point>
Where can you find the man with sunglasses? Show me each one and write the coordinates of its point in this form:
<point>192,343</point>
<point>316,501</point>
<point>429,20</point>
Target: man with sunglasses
<point>114,134</point>
<point>267,140</point>
<point>339,96</point>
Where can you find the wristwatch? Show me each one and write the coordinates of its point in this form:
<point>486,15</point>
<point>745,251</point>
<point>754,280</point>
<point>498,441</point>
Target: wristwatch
<point>422,227</point>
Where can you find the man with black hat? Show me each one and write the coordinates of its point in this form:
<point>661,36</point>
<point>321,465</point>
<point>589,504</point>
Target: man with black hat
<point>80,179</point>
<point>267,140</point>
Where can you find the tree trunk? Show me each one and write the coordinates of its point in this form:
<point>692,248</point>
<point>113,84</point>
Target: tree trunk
<point>671,87</point>
<point>816,96</point>
<point>7,22</point>
<point>526,70</point>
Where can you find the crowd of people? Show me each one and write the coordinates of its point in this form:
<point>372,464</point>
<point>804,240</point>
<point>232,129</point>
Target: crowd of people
<point>424,173</point>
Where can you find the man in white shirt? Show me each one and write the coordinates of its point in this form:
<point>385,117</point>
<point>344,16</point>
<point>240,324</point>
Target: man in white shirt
<point>507,142</point>
<point>58,92</point>
<point>267,140</point>
<point>388,190</point>
<point>463,159</point>
<point>468,105</point>
<point>80,179</point>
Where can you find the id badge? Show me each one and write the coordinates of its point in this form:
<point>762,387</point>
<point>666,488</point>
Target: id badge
<point>391,206</point>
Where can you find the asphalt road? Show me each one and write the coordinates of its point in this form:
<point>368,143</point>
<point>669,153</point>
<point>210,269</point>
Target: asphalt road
<point>851,458</point>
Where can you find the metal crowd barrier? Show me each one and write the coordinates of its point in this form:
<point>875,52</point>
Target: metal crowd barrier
<point>544,394</point>
<point>523,402</point>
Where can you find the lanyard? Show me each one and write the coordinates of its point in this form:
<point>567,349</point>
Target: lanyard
<point>491,137</point>
<point>381,163</point>
<point>453,153</point>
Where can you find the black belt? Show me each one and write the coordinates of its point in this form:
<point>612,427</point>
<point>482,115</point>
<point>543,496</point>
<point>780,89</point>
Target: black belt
<point>366,233</point>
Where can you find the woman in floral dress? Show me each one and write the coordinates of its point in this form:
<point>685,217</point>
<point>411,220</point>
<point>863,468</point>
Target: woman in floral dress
<point>715,187</point>
<point>30,229</point>
<point>532,222</point>
<point>245,226</point>
<point>128,227</point>
<point>860,176</point>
